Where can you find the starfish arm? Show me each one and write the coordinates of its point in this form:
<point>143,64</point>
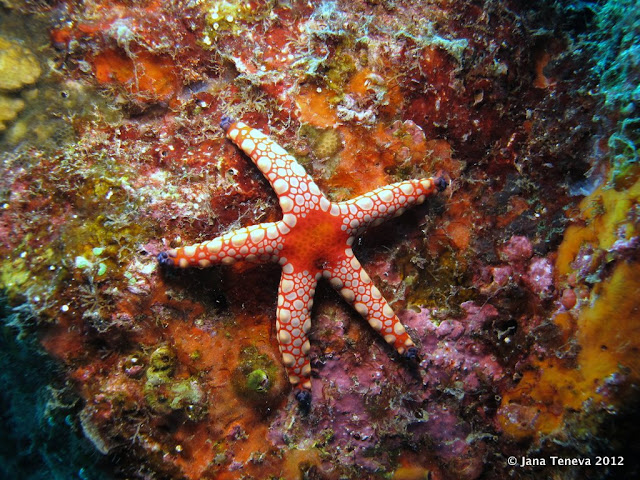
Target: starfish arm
<point>296,190</point>
<point>354,284</point>
<point>376,206</point>
<point>261,242</point>
<point>295,299</point>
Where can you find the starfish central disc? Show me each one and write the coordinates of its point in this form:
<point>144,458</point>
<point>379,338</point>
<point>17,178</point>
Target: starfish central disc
<point>309,246</point>
<point>312,240</point>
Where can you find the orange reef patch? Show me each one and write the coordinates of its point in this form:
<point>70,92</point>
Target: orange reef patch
<point>145,76</point>
<point>603,216</point>
<point>606,322</point>
<point>608,332</point>
<point>315,107</point>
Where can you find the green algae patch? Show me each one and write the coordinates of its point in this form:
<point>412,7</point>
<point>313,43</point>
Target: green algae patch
<point>63,222</point>
<point>257,378</point>
<point>447,285</point>
<point>165,393</point>
<point>223,16</point>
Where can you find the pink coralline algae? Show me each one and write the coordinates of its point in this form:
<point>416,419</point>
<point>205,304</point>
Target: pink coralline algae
<point>520,266</point>
<point>367,417</point>
<point>539,276</point>
<point>454,350</point>
<point>517,249</point>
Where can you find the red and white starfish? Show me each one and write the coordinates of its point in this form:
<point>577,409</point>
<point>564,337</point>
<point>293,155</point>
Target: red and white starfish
<point>312,240</point>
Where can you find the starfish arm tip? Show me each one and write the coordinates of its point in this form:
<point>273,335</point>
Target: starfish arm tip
<point>303,397</point>
<point>165,260</point>
<point>441,184</point>
<point>226,122</point>
<point>411,354</point>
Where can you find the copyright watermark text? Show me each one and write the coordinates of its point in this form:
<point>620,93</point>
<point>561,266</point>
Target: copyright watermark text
<point>597,460</point>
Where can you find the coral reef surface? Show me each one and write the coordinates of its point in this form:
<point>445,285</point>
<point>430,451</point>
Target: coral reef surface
<point>520,285</point>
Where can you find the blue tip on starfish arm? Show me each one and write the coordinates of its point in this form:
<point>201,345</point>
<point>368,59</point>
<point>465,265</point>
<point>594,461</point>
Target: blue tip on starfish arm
<point>441,184</point>
<point>164,259</point>
<point>411,354</point>
<point>226,122</point>
<point>304,400</point>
